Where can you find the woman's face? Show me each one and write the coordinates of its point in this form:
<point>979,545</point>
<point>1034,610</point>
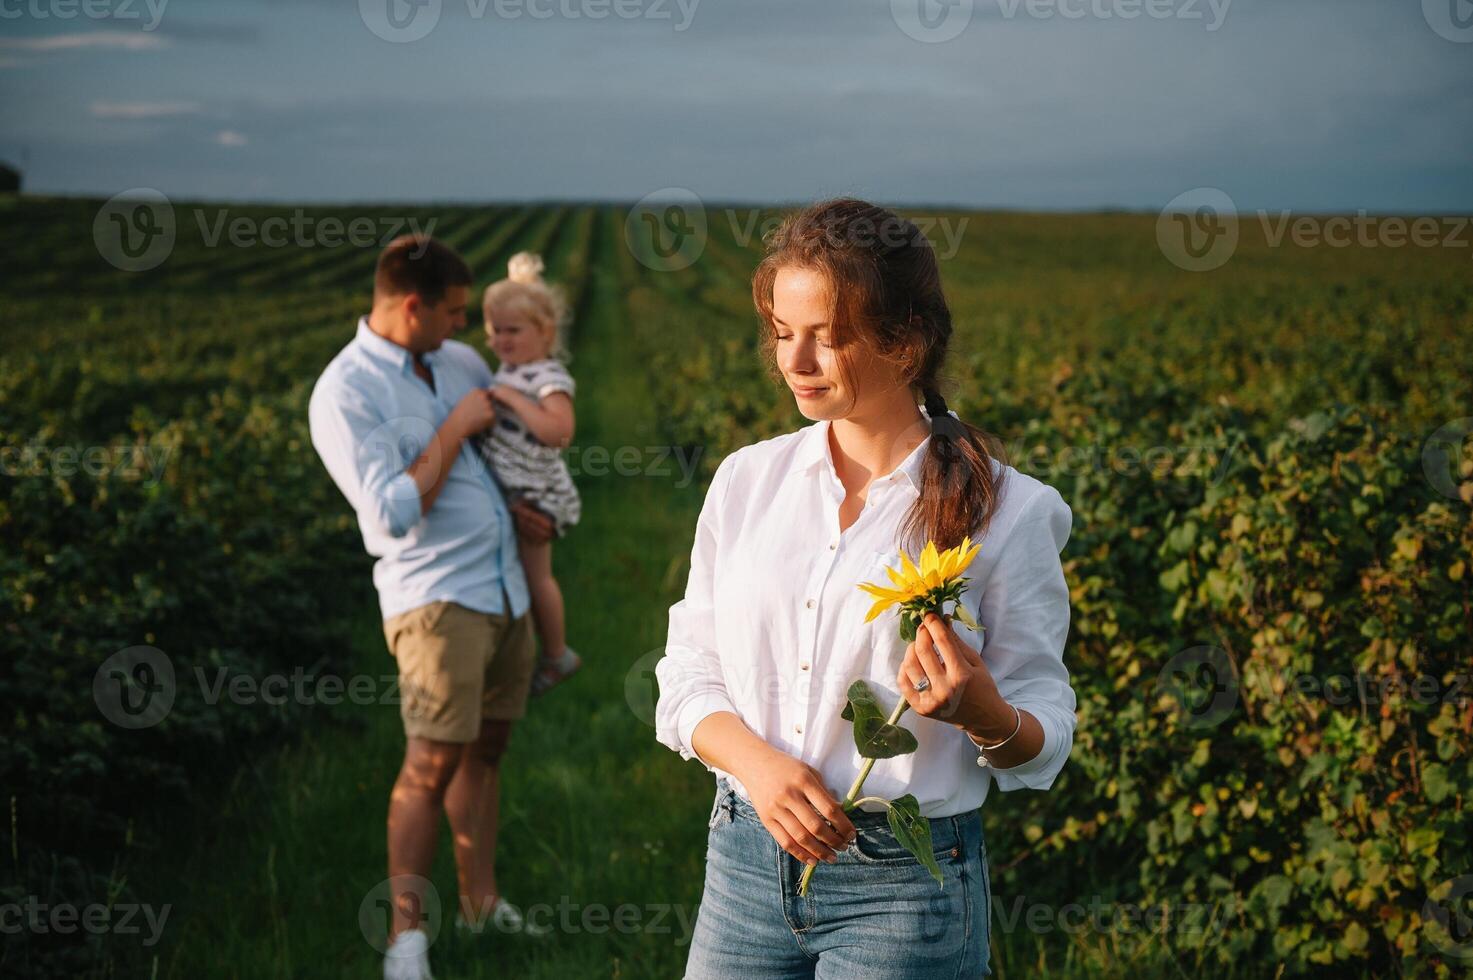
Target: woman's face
<point>513,339</point>
<point>809,361</point>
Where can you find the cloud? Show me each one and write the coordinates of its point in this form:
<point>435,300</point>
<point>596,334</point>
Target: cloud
<point>225,33</point>
<point>229,137</point>
<point>117,40</point>
<point>143,110</point>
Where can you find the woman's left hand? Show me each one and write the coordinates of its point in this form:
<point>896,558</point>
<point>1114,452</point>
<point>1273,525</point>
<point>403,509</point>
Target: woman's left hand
<point>962,691</point>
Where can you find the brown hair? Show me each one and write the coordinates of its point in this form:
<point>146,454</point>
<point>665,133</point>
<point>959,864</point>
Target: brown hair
<point>885,290</point>
<point>421,265</point>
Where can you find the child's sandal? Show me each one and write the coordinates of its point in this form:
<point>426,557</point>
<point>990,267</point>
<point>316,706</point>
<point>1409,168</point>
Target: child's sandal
<point>551,673</point>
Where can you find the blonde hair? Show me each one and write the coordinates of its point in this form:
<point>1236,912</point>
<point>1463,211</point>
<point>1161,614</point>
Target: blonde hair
<point>526,296</point>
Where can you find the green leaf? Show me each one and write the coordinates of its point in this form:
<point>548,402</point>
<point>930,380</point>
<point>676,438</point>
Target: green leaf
<point>1435,783</point>
<point>908,626</point>
<point>914,832</point>
<point>873,736</point>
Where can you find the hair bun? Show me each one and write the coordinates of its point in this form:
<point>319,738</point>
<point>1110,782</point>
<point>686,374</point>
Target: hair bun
<point>525,267</point>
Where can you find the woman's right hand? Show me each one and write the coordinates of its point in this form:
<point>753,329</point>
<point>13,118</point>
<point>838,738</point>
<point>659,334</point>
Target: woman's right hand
<point>797,808</point>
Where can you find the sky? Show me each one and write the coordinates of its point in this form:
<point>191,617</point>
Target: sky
<point>1313,105</point>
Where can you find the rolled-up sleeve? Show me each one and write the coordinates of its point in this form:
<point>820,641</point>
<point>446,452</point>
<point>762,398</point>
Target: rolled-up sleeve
<point>689,674</point>
<point>377,485</point>
<point>1025,609</point>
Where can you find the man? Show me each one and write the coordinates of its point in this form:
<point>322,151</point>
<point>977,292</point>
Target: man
<point>391,417</point>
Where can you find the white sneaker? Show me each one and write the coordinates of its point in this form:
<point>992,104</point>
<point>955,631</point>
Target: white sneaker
<point>506,917</point>
<point>408,957</point>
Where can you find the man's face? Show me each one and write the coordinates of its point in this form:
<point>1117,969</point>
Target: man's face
<point>432,325</point>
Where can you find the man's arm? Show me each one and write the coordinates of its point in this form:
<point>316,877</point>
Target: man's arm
<point>346,432</point>
<point>473,413</point>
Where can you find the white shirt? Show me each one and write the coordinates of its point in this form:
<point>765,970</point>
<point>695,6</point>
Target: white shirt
<point>371,416</point>
<point>772,624</point>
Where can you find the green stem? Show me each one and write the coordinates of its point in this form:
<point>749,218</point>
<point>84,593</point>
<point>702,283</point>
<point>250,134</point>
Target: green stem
<point>851,799</point>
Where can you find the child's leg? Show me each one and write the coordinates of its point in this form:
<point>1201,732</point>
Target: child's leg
<point>547,596</point>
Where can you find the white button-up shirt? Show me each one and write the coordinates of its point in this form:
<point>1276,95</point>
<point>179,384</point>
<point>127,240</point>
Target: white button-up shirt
<point>371,416</point>
<point>772,625</point>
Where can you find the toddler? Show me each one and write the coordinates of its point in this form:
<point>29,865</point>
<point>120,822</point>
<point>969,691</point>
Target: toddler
<point>525,318</point>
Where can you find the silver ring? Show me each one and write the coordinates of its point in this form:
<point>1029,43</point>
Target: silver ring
<point>924,684</point>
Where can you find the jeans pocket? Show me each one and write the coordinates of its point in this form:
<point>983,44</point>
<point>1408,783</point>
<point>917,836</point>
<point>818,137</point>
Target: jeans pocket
<point>877,844</point>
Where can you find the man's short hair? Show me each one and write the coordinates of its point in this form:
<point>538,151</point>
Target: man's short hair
<point>421,265</point>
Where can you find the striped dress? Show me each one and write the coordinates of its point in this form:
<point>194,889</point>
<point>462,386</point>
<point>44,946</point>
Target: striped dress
<point>522,465</point>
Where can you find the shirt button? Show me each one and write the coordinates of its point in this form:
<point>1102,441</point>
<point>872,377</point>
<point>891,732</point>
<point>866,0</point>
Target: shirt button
<point>798,729</point>
<point>809,603</point>
<point>803,666</point>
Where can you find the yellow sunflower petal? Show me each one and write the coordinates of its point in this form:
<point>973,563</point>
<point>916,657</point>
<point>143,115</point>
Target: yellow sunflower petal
<point>909,570</point>
<point>930,560</point>
<point>878,608</point>
<point>956,560</point>
<point>897,578</point>
<point>880,592</point>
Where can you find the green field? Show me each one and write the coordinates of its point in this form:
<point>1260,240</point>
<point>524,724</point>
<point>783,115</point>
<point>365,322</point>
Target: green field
<point>1246,452</point>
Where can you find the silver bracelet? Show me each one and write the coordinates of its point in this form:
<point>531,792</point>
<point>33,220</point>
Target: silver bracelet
<point>1017,727</point>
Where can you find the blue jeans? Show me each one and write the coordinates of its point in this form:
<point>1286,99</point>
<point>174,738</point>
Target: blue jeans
<point>875,913</point>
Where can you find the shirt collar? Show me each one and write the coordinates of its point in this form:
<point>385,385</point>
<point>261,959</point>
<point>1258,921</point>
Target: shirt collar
<point>813,452</point>
<point>386,350</point>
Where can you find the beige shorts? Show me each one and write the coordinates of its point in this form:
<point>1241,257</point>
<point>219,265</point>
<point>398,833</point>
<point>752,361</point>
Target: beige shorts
<point>458,666</point>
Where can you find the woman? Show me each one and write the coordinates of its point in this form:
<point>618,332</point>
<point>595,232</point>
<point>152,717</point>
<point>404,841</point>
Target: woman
<point>771,631</point>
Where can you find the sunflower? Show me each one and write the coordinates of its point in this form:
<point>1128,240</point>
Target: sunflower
<point>927,588</point>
